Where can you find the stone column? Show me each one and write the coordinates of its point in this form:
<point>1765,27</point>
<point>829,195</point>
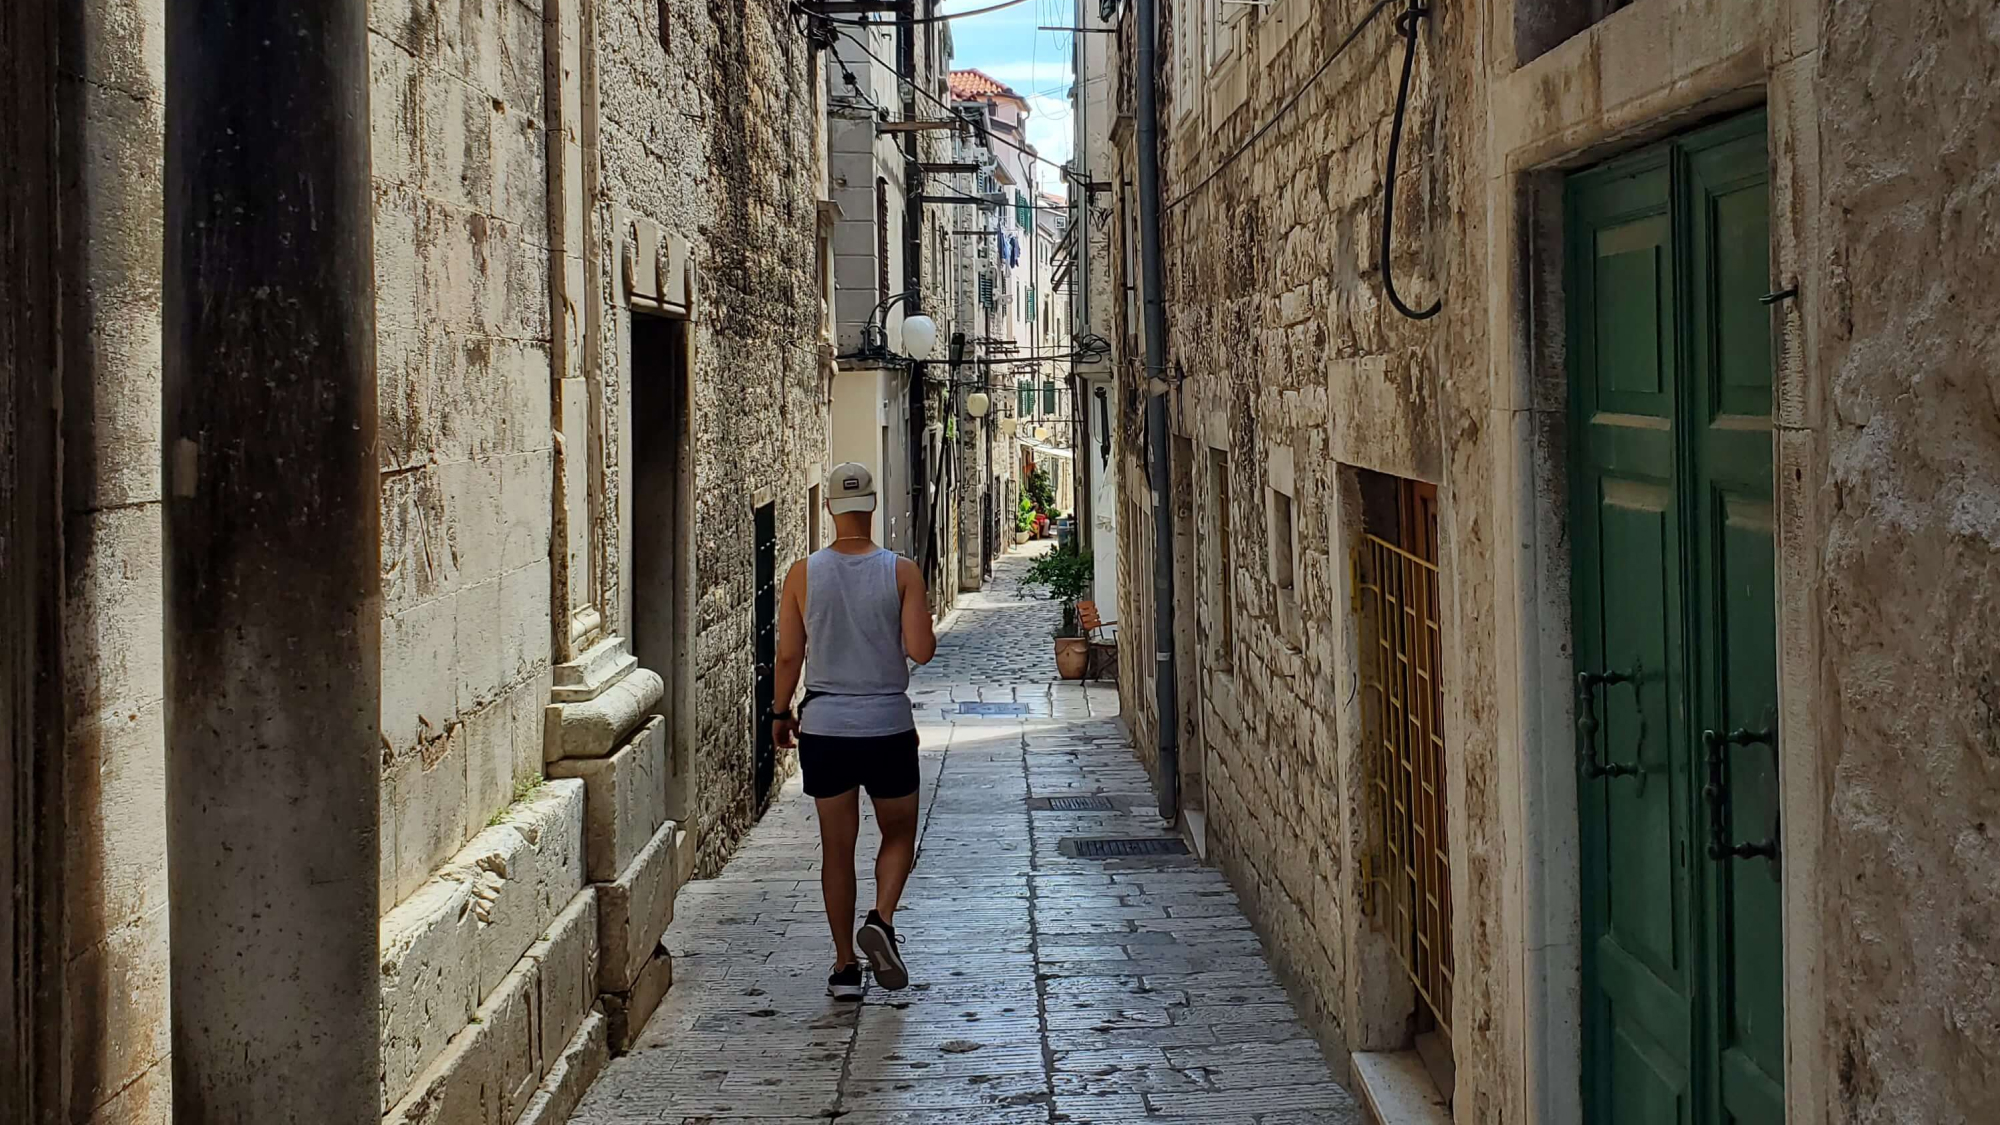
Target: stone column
<point>272,530</point>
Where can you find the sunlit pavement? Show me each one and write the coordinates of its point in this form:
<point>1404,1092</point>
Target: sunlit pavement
<point>1045,987</point>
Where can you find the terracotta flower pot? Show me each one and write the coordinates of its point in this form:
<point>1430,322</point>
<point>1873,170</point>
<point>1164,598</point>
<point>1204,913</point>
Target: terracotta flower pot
<point>1072,657</point>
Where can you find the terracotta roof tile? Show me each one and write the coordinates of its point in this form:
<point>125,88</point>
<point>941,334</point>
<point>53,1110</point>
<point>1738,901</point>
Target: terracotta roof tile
<point>973,85</point>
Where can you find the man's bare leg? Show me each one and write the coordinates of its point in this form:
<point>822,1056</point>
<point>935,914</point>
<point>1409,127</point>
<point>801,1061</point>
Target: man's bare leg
<point>839,823</point>
<point>897,818</point>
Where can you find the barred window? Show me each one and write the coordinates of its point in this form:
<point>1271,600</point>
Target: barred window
<point>1401,633</point>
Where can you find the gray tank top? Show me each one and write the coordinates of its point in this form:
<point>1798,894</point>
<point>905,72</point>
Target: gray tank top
<point>854,647</point>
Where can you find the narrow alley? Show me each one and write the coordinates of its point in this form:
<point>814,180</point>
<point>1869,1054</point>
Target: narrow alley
<point>1047,987</point>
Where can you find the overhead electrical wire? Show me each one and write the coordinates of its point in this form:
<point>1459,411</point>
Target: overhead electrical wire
<point>914,19</point>
<point>947,107</point>
<point>1271,122</point>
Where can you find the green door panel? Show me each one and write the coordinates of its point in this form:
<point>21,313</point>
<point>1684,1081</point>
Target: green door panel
<point>1674,586</point>
<point>1727,208</point>
<point>1635,831</point>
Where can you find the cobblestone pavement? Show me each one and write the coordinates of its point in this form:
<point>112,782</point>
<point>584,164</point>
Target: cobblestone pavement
<point>1046,988</point>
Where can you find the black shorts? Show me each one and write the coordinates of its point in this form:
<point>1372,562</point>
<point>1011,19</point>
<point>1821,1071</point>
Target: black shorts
<point>885,764</point>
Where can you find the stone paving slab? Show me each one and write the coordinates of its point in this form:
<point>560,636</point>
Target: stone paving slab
<point>1046,988</point>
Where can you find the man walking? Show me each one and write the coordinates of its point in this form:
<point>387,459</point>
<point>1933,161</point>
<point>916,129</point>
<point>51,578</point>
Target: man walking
<point>863,613</point>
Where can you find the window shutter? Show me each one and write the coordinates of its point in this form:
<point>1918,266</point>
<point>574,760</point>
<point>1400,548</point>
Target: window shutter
<point>1049,397</point>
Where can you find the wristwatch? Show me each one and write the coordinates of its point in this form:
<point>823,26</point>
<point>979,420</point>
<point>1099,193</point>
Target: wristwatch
<point>784,716</point>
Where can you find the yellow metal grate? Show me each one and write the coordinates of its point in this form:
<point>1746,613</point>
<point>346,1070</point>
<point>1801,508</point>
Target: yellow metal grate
<point>1402,710</point>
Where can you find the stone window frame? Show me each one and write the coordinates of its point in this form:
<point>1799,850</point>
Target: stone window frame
<point>1189,69</point>
<point>1220,560</point>
<point>1281,481</point>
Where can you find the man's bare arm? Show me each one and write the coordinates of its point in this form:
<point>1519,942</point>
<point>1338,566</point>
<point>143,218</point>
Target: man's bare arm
<point>919,637</point>
<point>791,649</point>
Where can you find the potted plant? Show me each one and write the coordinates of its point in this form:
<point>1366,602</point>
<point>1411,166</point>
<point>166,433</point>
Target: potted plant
<point>1024,521</point>
<point>1065,573</point>
<point>1042,495</point>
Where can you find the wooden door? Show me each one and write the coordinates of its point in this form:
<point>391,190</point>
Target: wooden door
<point>1727,212</point>
<point>1635,763</point>
<point>1675,642</point>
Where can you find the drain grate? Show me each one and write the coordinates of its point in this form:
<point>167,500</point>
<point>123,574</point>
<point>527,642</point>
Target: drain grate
<point>1123,849</point>
<point>991,708</point>
<point>1071,804</point>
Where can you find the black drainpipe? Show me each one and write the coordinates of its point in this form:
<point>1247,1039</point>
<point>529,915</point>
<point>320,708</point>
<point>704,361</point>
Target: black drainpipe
<point>913,265</point>
<point>1159,447</point>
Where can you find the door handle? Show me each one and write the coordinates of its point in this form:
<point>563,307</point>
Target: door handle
<point>1717,792</point>
<point>1587,684</point>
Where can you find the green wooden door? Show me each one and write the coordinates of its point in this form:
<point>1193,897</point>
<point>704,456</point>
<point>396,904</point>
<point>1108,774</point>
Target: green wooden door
<point>1675,643</point>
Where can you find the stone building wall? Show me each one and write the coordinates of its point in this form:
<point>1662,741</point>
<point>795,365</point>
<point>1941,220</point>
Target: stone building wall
<point>1289,365</point>
<point>462,350</point>
<point>111,112</point>
<point>711,130</point>
<point>1886,449</point>
<point>1907,418</point>
<point>522,895</point>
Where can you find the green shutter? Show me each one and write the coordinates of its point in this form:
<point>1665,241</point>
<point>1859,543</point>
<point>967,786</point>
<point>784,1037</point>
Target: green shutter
<point>1049,397</point>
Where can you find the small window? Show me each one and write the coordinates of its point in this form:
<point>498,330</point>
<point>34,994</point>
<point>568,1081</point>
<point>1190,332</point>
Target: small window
<point>1049,397</point>
<point>1402,650</point>
<point>1284,542</point>
<point>1540,27</point>
<point>881,239</point>
<point>1222,560</point>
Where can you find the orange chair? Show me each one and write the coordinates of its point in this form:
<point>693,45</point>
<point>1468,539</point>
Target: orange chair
<point>1103,653</point>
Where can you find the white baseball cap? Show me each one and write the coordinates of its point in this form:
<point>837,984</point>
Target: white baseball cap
<point>850,487</point>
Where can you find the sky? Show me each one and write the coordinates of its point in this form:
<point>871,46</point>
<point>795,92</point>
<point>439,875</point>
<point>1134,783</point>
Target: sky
<point>1036,64</point>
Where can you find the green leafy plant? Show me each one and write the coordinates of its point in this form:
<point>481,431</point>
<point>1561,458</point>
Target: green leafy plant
<point>1024,520</point>
<point>1040,492</point>
<point>1066,574</point>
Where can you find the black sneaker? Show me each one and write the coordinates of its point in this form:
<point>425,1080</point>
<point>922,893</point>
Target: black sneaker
<point>845,984</point>
<point>878,940</point>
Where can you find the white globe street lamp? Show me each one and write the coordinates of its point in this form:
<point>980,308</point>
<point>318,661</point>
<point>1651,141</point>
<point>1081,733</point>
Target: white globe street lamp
<point>919,336</point>
<point>976,404</point>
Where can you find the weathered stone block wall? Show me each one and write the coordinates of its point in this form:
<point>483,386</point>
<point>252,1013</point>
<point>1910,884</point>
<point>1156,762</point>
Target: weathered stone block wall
<point>462,262</point>
<point>1909,414</point>
<point>711,132</point>
<point>1289,361</point>
<point>111,90</point>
